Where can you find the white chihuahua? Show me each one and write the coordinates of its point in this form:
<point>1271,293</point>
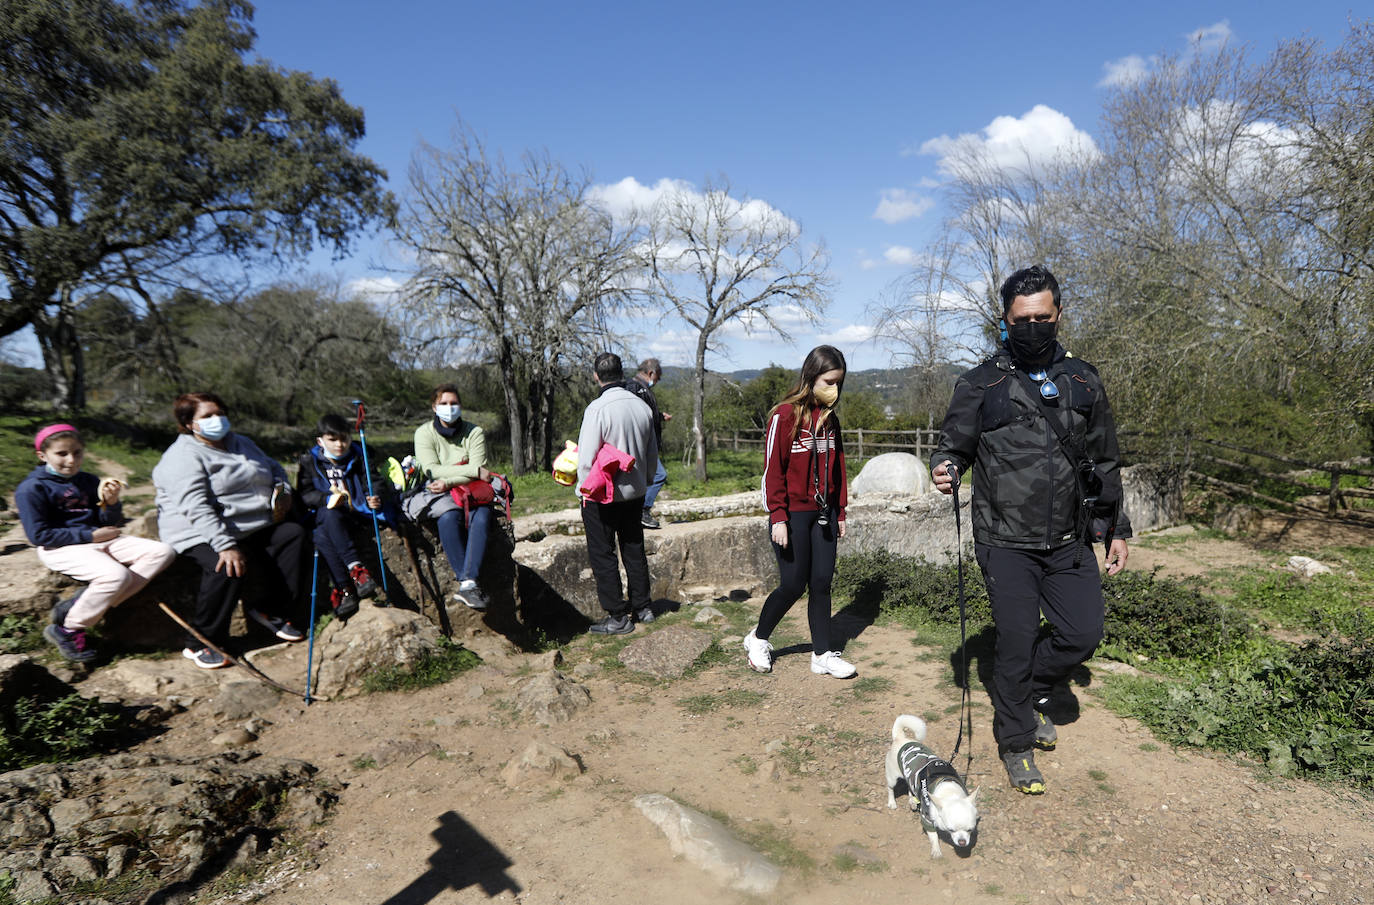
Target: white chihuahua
<point>933,785</point>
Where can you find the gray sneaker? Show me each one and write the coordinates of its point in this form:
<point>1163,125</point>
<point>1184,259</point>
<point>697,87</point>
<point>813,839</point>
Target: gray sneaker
<point>70,643</point>
<point>1022,772</point>
<point>645,614</point>
<point>1046,737</point>
<point>613,625</point>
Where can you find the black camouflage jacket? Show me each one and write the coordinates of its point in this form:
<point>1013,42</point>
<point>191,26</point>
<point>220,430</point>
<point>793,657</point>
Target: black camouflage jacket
<point>1025,492</point>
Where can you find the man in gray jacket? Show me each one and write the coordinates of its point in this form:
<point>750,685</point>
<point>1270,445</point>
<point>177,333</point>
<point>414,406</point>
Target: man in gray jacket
<point>616,425</point>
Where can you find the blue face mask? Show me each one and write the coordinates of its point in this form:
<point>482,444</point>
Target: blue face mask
<point>448,413</point>
<point>53,471</point>
<point>216,427</point>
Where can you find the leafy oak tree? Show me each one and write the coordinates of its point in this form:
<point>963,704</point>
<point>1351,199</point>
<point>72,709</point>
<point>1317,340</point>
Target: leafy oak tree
<point>138,136</point>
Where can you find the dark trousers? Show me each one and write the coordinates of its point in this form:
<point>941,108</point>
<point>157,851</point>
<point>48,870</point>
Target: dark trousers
<point>1021,584</point>
<point>808,560</point>
<point>276,550</point>
<point>464,542</point>
<point>607,523</point>
<point>335,544</point>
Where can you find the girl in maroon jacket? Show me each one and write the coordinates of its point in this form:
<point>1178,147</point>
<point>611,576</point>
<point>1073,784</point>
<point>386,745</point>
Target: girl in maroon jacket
<point>805,489</point>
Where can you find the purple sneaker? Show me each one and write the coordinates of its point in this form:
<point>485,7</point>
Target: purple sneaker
<point>70,643</point>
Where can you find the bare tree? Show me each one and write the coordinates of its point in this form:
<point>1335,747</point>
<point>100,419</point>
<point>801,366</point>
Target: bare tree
<point>514,265</point>
<point>716,259</point>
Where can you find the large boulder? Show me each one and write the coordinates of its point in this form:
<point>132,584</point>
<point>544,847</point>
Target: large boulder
<point>707,843</point>
<point>666,653</point>
<point>374,638</point>
<point>894,472</point>
<point>176,817</point>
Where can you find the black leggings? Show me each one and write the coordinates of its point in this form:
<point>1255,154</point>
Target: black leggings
<point>808,559</point>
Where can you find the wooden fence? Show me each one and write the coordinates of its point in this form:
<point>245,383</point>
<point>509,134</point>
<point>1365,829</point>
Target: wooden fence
<point>1201,451</point>
<point>859,443</point>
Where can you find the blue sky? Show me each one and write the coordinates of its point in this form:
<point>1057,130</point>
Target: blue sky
<point>819,109</point>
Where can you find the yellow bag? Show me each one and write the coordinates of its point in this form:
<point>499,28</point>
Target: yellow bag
<point>565,466</point>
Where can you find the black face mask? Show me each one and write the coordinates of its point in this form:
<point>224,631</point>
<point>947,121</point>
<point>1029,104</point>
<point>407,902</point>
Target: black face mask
<point>1032,343</point>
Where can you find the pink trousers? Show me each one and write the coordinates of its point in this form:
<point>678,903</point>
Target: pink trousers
<point>113,570</point>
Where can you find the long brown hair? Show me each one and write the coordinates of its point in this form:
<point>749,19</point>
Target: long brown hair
<point>802,395</point>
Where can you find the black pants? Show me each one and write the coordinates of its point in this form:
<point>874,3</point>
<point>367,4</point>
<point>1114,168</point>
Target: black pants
<point>808,560</point>
<point>1021,584</point>
<point>607,523</point>
<point>334,542</point>
<point>277,550</point>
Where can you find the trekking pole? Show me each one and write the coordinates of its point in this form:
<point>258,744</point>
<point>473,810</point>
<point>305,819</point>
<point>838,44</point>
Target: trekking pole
<point>367,470</point>
<point>310,648</point>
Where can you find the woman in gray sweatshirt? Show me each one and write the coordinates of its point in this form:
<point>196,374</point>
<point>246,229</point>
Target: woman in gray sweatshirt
<point>221,501</point>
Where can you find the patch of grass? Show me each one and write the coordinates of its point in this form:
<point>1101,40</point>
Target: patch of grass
<point>708,703</point>
<point>19,634</point>
<point>1160,617</point>
<point>1148,747</point>
<point>714,655</point>
<point>992,889</point>
<point>1335,604</point>
<point>774,844</point>
<point>60,731</point>
<point>867,687</point>
<point>747,765</point>
<point>1097,775</point>
<point>366,762</point>
<point>442,665</point>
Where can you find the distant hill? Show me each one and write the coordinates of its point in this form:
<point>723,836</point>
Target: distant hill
<point>888,384</point>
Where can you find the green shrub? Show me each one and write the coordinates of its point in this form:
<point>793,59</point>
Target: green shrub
<point>1308,710</point>
<point>901,586</point>
<point>436,668</point>
<point>1160,617</point>
<point>64,730</point>
<point>19,634</point>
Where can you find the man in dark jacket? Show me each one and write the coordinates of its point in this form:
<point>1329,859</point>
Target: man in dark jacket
<point>1030,522</point>
<point>642,385</point>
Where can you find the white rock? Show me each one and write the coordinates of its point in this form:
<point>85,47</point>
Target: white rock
<point>894,472</point>
<point>708,844</point>
<point>1307,567</point>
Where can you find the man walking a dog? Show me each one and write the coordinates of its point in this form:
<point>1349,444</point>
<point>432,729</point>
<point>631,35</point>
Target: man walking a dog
<point>1034,425</point>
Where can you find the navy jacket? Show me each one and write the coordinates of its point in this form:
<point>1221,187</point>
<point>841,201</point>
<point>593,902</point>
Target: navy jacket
<point>59,512</point>
<point>317,470</point>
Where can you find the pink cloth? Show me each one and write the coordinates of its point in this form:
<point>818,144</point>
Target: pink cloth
<point>114,569</point>
<point>600,484</point>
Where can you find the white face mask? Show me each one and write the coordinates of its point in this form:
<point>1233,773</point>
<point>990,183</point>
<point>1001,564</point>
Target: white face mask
<point>214,427</point>
<point>448,413</point>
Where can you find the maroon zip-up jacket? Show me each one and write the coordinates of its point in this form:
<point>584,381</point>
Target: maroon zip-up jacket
<point>792,463</point>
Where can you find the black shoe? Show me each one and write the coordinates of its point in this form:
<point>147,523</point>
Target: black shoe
<point>1021,770</point>
<point>645,614</point>
<point>364,586</point>
<point>613,625</point>
<point>647,519</point>
<point>70,643</point>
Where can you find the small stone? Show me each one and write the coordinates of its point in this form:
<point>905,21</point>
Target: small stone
<point>708,614</point>
<point>233,738</point>
<point>583,670</point>
<point>774,746</point>
<point>768,771</point>
<point>117,859</point>
<point>1078,891</point>
<point>540,762</point>
<point>474,692</point>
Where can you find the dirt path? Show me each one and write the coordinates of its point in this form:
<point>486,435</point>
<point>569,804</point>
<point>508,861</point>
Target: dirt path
<point>1125,819</point>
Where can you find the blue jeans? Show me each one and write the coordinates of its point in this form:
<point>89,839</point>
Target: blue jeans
<point>655,485</point>
<point>464,544</point>
<point>334,544</point>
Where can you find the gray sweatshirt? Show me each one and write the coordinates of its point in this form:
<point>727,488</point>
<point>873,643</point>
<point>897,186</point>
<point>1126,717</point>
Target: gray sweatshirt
<point>213,496</point>
<point>623,420</point>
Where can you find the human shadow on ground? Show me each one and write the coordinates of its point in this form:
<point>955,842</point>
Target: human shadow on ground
<point>464,858</point>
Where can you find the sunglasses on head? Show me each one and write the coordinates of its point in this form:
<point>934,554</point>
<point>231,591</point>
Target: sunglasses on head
<point>1047,388</point>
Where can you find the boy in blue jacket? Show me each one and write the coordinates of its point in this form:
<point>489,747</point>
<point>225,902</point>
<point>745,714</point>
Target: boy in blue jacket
<point>331,481</point>
<point>74,520</point>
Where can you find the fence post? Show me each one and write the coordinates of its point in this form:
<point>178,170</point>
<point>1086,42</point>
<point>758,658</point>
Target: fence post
<point>735,445</point>
<point>1335,495</point>
<point>861,442</point>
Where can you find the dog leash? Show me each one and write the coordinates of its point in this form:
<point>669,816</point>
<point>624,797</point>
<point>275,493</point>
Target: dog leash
<point>966,696</point>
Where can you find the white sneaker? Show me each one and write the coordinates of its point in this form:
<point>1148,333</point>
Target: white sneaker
<point>832,663</point>
<point>760,653</point>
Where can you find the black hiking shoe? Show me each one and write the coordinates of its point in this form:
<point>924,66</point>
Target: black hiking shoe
<point>647,519</point>
<point>70,643</point>
<point>1022,772</point>
<point>58,614</point>
<point>1046,737</point>
<point>613,625</point>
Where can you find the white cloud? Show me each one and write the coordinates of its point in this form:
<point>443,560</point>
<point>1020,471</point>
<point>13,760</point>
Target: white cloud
<point>1012,143</point>
<point>1124,72</point>
<point>852,334</point>
<point>1210,37</point>
<point>630,199</point>
<point>897,205</point>
<point>377,290</point>
<point>900,254</point>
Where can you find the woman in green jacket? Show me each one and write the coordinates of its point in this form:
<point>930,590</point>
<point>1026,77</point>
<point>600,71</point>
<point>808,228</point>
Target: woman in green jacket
<point>451,452</point>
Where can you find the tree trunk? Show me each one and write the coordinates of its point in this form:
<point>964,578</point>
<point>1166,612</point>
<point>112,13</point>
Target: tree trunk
<point>505,363</point>
<point>699,408</point>
<point>63,357</point>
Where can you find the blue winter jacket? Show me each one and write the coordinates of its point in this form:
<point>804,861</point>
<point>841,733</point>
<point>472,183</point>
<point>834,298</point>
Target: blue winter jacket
<point>59,512</point>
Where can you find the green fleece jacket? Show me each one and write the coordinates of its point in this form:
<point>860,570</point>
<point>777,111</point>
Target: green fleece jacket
<point>453,460</point>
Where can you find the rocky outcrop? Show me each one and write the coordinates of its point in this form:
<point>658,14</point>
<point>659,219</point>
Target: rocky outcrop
<point>551,697</point>
<point>179,818</point>
<point>539,763</point>
<point>374,638</point>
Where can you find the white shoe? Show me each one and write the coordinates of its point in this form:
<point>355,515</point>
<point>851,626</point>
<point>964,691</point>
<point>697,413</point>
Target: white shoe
<point>760,653</point>
<point>831,663</point>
